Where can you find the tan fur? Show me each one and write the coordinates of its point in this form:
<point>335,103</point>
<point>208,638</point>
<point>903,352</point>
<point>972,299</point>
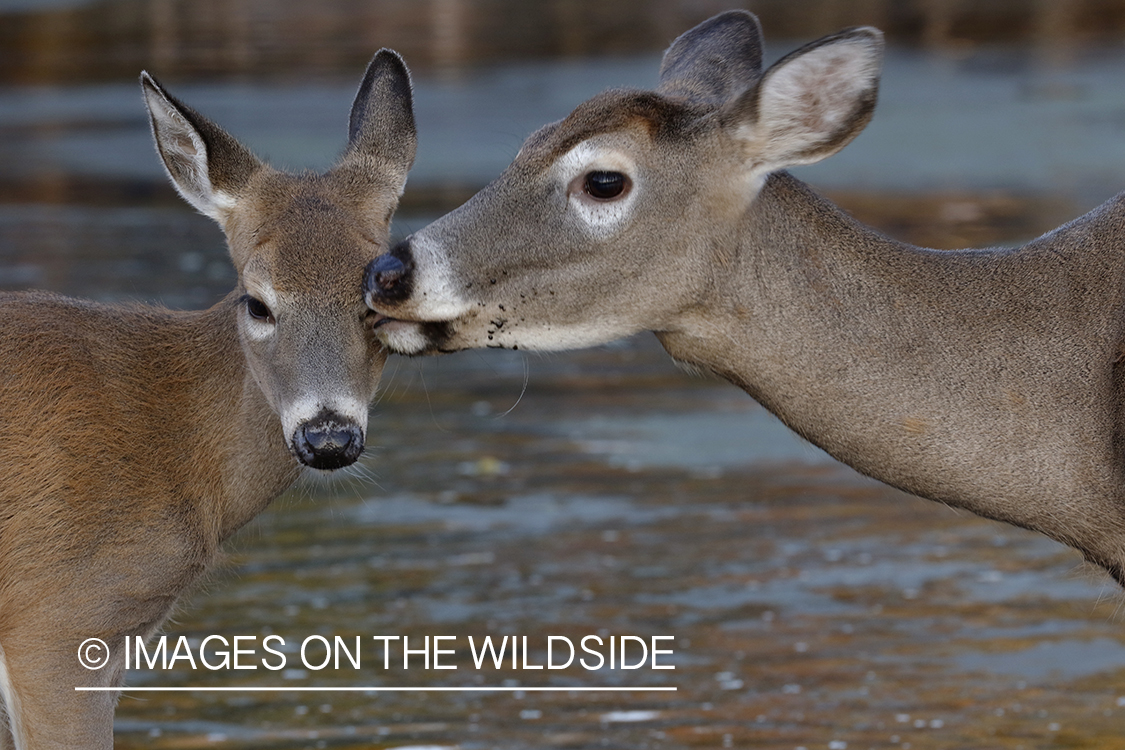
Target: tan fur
<point>136,439</point>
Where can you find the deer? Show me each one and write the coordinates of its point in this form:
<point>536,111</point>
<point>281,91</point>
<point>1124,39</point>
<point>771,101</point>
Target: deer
<point>990,380</point>
<point>136,439</point>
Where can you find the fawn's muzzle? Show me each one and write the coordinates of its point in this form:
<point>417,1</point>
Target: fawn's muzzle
<point>328,442</point>
<point>388,277</point>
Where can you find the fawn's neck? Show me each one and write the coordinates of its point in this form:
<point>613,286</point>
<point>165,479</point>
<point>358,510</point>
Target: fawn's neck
<point>239,458</point>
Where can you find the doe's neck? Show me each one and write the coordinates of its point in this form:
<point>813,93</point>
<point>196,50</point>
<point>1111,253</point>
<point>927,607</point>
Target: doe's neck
<point>849,338</point>
<point>792,280</point>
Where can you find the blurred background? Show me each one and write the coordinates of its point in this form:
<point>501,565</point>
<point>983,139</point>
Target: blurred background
<point>601,491</point>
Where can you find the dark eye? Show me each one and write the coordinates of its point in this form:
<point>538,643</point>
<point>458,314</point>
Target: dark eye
<point>258,310</point>
<point>605,185</point>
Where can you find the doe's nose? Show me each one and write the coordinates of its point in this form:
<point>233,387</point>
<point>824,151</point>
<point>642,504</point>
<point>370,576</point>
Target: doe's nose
<point>328,442</point>
<point>388,277</point>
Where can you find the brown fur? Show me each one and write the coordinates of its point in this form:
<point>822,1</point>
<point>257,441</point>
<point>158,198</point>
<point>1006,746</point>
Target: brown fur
<point>658,117</point>
<point>137,439</point>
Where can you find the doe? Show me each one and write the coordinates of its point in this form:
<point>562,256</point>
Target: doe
<point>136,439</point>
<point>987,379</point>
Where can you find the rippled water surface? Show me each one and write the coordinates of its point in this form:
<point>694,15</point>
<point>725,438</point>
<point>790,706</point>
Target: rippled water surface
<point>808,605</point>
<point>599,493</point>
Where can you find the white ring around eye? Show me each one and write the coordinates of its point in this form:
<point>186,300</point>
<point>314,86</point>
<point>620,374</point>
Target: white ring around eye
<point>259,330</point>
<point>601,217</point>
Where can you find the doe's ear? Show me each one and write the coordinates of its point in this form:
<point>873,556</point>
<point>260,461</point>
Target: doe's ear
<point>381,126</point>
<point>709,63</point>
<point>811,103</point>
<point>207,166</point>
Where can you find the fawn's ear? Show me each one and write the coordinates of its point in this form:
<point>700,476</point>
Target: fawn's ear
<point>207,166</point>
<point>382,138</point>
<point>810,104</point>
<point>711,62</point>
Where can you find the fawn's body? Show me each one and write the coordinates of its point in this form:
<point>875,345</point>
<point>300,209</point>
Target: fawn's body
<point>986,379</point>
<point>136,439</point>
<point>118,490</point>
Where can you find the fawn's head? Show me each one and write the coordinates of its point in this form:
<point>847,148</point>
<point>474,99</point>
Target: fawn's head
<point>614,219</point>
<point>300,244</point>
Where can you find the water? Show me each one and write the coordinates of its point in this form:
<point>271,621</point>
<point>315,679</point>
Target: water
<point>600,493</point>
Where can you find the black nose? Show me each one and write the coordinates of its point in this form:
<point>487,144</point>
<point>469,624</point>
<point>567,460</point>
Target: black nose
<point>328,442</point>
<point>388,277</point>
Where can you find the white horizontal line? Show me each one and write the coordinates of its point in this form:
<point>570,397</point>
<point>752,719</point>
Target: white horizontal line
<point>294,689</point>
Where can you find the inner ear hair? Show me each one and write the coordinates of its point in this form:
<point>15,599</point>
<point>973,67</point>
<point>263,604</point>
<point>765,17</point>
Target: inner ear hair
<point>207,166</point>
<point>813,101</point>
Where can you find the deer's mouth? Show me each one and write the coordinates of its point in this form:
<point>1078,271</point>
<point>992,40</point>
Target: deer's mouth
<point>413,337</point>
<point>378,320</point>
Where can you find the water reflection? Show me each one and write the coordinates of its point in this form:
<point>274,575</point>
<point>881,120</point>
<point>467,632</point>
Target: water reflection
<point>600,491</point>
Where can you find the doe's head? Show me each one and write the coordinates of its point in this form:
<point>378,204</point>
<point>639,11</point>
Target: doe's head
<point>617,218</point>
<point>300,244</point>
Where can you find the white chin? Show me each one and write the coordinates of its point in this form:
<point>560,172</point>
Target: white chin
<point>402,337</point>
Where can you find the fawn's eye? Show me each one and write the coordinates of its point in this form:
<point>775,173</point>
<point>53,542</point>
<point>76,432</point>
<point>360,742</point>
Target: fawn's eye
<point>258,310</point>
<point>606,186</point>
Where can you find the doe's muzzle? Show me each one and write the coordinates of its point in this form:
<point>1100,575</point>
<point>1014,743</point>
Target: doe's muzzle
<point>389,277</point>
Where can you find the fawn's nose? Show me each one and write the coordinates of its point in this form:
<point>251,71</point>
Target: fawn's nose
<point>388,277</point>
<point>328,442</point>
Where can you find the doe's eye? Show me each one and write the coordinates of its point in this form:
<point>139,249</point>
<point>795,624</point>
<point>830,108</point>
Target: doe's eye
<point>258,310</point>
<point>605,186</point>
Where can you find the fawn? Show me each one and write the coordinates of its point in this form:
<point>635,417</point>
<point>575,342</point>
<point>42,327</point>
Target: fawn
<point>137,439</point>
